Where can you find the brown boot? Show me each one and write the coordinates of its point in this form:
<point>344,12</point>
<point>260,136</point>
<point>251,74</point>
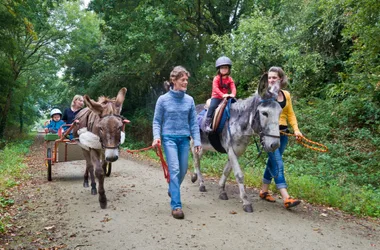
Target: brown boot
<point>178,213</point>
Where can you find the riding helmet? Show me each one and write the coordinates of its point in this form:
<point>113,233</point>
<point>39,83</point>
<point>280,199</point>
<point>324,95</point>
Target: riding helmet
<point>55,111</point>
<point>223,61</point>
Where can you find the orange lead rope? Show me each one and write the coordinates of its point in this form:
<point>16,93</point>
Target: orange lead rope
<point>163,164</point>
<point>158,151</point>
<point>307,143</point>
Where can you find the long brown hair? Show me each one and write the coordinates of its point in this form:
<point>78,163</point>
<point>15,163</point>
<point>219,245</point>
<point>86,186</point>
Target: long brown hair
<point>280,72</point>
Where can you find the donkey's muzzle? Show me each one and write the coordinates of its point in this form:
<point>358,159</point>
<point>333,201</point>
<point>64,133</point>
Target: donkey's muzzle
<point>274,146</point>
<point>111,155</point>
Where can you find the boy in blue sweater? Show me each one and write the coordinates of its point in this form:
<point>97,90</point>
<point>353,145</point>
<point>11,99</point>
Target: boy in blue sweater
<point>55,122</point>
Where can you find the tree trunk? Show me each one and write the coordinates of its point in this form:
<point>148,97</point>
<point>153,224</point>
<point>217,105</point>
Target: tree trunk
<point>4,116</point>
<point>21,115</point>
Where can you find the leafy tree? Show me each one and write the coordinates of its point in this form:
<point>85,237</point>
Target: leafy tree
<point>27,34</point>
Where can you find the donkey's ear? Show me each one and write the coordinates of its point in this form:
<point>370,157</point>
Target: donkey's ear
<point>120,99</point>
<point>92,105</point>
<point>263,85</point>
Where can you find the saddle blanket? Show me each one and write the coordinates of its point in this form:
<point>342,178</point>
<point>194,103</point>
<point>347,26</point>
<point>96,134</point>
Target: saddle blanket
<point>89,140</point>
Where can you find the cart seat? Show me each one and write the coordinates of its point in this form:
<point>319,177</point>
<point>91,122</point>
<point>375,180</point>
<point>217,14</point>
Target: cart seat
<point>51,137</point>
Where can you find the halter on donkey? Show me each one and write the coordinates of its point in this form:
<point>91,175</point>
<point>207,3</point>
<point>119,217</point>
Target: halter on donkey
<point>258,114</point>
<point>100,135</point>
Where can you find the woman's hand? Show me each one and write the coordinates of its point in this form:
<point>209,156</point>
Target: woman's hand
<point>298,135</point>
<point>197,149</point>
<point>156,143</point>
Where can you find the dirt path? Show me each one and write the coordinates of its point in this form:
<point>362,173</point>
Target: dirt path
<point>63,215</point>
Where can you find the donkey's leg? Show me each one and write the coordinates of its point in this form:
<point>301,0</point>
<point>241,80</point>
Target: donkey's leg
<point>197,169</point>
<point>99,172</point>
<point>86,155</point>
<point>222,181</point>
<point>233,160</point>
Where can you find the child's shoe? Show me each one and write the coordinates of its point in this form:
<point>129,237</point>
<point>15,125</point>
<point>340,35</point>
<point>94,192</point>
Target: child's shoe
<point>266,196</point>
<point>208,125</point>
<point>289,202</point>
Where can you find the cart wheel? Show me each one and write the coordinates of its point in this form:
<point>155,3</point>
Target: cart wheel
<point>49,164</point>
<point>107,169</point>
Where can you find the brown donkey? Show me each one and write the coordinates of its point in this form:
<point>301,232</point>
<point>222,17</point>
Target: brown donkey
<point>100,132</point>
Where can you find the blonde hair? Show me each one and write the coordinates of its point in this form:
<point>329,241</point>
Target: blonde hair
<point>76,97</point>
<point>178,72</point>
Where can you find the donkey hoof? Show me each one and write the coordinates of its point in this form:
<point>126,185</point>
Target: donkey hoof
<point>202,189</point>
<point>103,205</point>
<point>103,201</point>
<point>94,191</point>
<point>85,184</point>
<point>248,208</point>
<point>194,178</point>
<point>223,196</point>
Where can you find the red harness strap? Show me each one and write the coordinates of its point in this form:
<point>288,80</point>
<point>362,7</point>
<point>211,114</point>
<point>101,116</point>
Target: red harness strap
<point>158,151</point>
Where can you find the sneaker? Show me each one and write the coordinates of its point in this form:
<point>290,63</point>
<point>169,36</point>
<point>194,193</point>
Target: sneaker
<point>266,196</point>
<point>178,213</point>
<point>289,202</point>
<point>208,129</point>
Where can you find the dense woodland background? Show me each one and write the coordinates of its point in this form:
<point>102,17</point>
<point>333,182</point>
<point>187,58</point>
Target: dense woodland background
<point>51,50</point>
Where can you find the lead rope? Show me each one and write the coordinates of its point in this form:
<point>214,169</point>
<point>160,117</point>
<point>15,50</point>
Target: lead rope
<point>307,143</point>
<point>158,151</point>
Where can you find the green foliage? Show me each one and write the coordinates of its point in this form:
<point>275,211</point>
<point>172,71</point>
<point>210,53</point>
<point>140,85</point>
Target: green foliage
<point>11,162</point>
<point>11,172</point>
<point>6,202</point>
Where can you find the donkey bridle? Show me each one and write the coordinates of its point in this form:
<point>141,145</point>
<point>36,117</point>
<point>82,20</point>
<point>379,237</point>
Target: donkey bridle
<point>100,139</point>
<point>261,133</point>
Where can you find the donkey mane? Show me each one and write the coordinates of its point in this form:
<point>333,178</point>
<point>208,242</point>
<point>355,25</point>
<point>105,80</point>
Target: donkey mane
<point>108,104</point>
<point>241,105</point>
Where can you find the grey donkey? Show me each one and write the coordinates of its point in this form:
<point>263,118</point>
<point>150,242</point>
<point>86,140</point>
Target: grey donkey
<point>258,114</point>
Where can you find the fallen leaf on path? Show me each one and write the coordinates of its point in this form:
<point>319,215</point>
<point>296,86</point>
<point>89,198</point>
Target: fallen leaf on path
<point>233,212</point>
<point>106,219</point>
<point>323,214</point>
<point>49,228</point>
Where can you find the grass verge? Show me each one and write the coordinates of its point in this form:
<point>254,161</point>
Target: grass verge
<point>12,172</point>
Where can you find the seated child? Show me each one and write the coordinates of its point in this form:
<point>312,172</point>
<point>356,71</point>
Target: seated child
<point>55,122</point>
<point>221,85</point>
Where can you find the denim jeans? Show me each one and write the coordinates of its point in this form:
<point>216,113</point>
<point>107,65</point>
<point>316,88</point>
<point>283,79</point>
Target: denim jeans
<point>275,165</point>
<point>177,154</point>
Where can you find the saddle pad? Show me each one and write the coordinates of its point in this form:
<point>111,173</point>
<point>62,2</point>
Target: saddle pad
<point>224,115</point>
<point>215,142</point>
<point>218,114</point>
<point>89,140</point>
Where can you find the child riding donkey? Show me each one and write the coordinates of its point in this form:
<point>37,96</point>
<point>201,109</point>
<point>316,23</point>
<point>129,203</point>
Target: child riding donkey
<point>221,85</point>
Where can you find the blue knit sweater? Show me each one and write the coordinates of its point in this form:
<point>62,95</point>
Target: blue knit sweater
<point>54,126</point>
<point>175,115</point>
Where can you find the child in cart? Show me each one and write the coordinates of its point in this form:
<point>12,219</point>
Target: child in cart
<point>55,123</point>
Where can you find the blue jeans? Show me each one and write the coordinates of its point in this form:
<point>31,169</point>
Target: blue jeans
<point>275,165</point>
<point>177,154</point>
